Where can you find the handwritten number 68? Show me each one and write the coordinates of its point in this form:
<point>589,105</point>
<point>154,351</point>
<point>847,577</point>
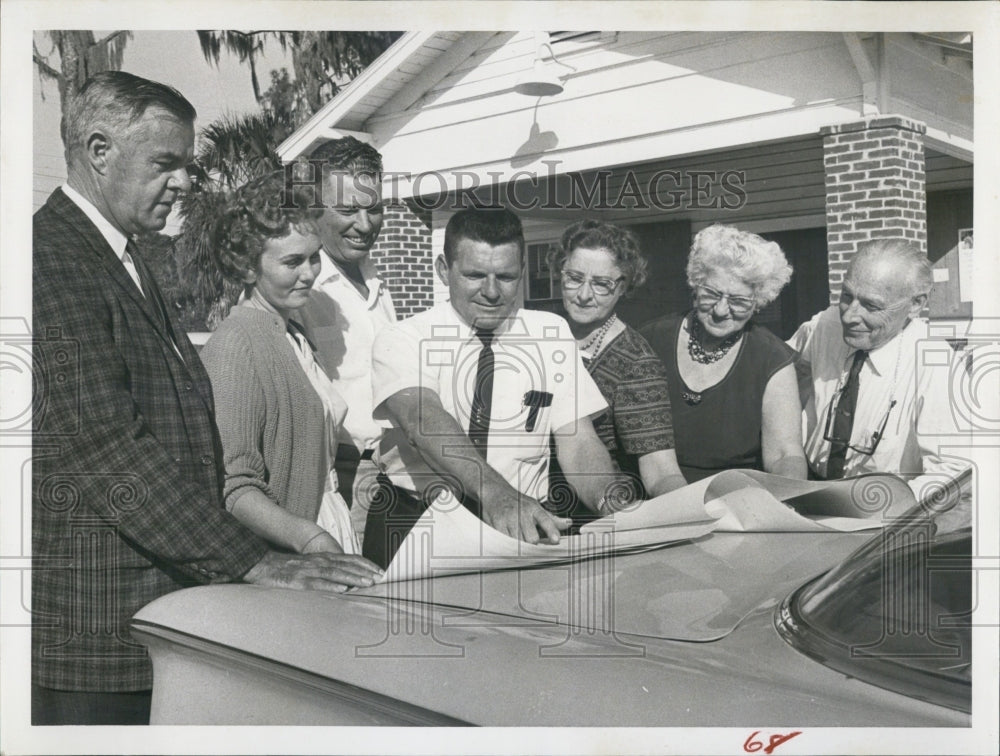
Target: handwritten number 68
<point>750,745</point>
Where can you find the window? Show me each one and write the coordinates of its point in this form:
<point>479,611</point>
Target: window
<point>895,614</point>
<point>542,285</point>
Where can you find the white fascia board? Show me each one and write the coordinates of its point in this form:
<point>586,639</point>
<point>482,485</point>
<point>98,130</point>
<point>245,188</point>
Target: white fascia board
<point>949,144</point>
<point>330,114</point>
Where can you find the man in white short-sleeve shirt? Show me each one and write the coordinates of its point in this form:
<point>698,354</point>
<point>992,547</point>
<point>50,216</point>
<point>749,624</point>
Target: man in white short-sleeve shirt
<point>349,305</point>
<point>425,375</point>
<point>902,412</point>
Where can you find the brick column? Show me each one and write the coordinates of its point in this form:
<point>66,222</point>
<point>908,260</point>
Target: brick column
<point>405,257</point>
<point>875,187</point>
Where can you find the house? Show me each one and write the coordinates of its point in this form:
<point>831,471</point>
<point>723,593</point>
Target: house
<point>817,140</point>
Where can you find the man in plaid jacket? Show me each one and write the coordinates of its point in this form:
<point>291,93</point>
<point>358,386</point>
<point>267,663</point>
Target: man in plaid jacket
<point>127,466</point>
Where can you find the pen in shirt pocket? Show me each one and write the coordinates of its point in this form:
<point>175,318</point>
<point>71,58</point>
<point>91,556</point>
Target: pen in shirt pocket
<point>534,401</point>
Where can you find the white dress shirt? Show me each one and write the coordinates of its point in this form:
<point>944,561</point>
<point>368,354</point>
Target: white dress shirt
<point>911,370</point>
<point>535,355</point>
<point>115,238</point>
<point>343,325</point>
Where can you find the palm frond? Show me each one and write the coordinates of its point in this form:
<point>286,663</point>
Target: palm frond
<point>211,45</point>
<point>108,53</point>
<point>236,148</point>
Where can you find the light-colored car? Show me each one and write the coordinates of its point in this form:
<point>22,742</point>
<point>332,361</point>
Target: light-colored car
<point>730,629</point>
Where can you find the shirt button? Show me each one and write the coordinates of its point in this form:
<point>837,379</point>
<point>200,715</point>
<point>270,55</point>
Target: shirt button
<point>188,385</point>
<point>177,460</point>
<point>207,459</point>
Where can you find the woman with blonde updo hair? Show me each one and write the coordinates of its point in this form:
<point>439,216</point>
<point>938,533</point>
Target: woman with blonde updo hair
<point>277,412</point>
<point>733,390</point>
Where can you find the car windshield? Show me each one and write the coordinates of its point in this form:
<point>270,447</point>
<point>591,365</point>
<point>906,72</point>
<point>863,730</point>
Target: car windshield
<point>897,613</point>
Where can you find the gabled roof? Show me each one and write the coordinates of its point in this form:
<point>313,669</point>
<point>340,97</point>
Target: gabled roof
<point>444,106</point>
<point>396,79</point>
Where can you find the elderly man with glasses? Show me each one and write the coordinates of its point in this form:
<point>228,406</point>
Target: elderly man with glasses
<point>874,387</point>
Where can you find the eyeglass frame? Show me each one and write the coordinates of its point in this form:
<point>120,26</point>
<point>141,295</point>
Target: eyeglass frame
<point>722,295</point>
<point>877,436</point>
<point>612,284</point>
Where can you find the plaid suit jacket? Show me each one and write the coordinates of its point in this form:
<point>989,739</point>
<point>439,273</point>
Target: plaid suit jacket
<point>127,464</point>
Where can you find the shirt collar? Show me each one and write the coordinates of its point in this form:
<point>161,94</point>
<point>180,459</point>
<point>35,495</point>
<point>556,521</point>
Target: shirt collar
<point>328,272</point>
<point>115,238</point>
<point>467,332</point>
<point>296,328</point>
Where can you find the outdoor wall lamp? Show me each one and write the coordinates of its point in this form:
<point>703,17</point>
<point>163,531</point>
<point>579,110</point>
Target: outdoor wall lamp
<point>541,80</point>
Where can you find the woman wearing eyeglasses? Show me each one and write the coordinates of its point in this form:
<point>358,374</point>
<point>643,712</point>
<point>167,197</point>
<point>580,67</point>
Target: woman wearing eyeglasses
<point>598,264</point>
<point>733,390</point>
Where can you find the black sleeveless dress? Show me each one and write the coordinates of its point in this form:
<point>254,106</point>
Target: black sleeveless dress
<point>719,428</point>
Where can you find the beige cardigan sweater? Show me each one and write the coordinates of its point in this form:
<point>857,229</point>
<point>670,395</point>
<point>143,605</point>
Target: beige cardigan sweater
<point>270,418</point>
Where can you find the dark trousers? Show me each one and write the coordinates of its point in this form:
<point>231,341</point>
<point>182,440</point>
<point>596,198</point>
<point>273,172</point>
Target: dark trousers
<point>71,707</point>
<point>393,513</point>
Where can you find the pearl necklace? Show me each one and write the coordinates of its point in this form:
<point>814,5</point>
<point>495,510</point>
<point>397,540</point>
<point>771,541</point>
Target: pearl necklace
<point>593,344</point>
<point>704,356</point>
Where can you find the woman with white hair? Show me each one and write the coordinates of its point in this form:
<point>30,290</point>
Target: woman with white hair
<point>733,390</point>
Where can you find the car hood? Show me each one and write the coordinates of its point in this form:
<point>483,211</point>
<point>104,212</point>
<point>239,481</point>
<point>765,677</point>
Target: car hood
<point>692,591</point>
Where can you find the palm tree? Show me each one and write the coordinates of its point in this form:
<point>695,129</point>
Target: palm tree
<point>232,150</point>
<point>244,45</point>
<point>81,55</point>
<point>236,148</point>
<point>319,58</point>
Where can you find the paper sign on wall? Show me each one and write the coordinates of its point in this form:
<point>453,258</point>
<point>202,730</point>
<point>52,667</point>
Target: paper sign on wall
<point>965,264</point>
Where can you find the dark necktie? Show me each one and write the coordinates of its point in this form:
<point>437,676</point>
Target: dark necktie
<point>843,419</point>
<point>482,394</point>
<point>152,293</point>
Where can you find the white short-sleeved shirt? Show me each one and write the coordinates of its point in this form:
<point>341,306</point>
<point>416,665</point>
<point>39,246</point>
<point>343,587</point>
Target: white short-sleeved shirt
<point>911,370</point>
<point>536,363</point>
<point>342,325</point>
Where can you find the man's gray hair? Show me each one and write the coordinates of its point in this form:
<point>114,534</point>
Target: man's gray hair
<point>114,100</point>
<point>904,255</point>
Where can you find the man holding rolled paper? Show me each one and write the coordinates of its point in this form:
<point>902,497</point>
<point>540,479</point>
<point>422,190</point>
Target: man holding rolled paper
<point>474,389</point>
